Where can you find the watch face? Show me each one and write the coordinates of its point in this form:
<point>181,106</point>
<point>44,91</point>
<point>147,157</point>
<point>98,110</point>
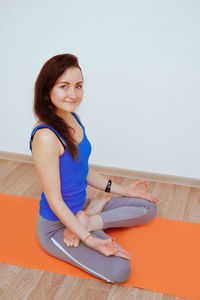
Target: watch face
<point>108,186</point>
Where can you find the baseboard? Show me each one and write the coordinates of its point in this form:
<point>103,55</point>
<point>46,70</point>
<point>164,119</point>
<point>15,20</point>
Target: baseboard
<point>194,182</point>
<point>172,179</point>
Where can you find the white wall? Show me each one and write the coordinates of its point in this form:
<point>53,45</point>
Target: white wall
<point>141,66</point>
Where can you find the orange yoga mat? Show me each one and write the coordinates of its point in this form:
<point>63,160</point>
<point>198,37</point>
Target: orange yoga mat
<point>165,253</point>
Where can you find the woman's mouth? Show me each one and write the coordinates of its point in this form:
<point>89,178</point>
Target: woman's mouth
<point>70,102</point>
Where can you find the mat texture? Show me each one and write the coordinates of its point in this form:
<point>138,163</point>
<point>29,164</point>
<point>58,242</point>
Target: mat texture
<point>165,253</point>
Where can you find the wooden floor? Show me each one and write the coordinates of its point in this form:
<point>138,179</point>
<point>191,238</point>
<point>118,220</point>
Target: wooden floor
<point>175,202</point>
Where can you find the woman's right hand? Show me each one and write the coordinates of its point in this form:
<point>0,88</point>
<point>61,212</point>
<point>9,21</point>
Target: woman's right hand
<point>107,247</point>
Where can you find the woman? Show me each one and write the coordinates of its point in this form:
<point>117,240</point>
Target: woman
<point>70,226</point>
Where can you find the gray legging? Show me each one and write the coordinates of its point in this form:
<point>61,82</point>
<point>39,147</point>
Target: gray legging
<point>118,212</point>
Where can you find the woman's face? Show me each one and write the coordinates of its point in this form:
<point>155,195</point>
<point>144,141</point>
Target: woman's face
<point>67,92</point>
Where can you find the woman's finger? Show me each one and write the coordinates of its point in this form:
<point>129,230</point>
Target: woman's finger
<point>142,182</point>
<point>147,196</point>
<point>109,247</point>
<point>123,255</point>
<point>118,251</point>
<point>152,198</point>
<point>122,250</point>
<point>113,244</point>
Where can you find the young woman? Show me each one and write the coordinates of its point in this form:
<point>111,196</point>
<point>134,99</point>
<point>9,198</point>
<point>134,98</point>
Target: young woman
<point>70,226</point>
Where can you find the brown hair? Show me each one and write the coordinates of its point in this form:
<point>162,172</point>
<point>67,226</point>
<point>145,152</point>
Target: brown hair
<point>44,109</point>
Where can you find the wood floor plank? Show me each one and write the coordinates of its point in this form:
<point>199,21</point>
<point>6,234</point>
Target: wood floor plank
<point>22,285</point>
<point>20,186</point>
<point>92,294</point>
<point>34,190</point>
<point>176,202</point>
<point>18,283</point>
<point>47,286</point>
<point>168,297</point>
<point>30,185</point>
<point>192,209</point>
<point>17,176</point>
<point>162,192</point>
<point>78,290</point>
<point>64,291</point>
<point>8,274</point>
<point>146,295</point>
<point>119,292</point>
<point>6,167</point>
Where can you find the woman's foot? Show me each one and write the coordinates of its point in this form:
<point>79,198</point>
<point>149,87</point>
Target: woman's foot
<point>70,238</point>
<point>96,205</point>
<point>91,223</point>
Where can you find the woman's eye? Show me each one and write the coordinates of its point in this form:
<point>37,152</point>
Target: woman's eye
<point>63,86</point>
<point>79,86</point>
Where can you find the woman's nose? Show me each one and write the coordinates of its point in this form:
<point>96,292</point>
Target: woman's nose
<point>71,93</point>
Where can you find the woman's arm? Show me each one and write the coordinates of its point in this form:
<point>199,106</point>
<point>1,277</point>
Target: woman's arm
<point>99,182</point>
<point>46,150</point>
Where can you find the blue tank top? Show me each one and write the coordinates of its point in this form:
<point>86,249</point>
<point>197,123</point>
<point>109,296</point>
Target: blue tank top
<point>73,175</point>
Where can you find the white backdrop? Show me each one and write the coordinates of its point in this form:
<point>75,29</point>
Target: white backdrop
<point>141,67</point>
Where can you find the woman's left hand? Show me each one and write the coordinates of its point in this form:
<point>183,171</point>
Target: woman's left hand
<point>133,190</point>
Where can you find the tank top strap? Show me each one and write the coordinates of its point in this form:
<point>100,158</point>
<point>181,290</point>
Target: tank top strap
<point>77,118</point>
<point>62,140</point>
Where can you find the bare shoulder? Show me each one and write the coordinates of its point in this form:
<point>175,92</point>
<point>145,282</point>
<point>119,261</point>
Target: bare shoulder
<point>45,138</point>
<point>44,134</point>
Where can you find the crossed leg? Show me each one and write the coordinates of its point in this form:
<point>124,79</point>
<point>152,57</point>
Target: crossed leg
<point>117,212</point>
<point>113,212</point>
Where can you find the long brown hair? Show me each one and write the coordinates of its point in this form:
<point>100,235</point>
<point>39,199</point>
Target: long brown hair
<point>44,109</point>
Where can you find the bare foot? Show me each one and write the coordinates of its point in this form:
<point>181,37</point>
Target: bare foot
<point>91,223</point>
<point>70,238</point>
<point>96,205</point>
